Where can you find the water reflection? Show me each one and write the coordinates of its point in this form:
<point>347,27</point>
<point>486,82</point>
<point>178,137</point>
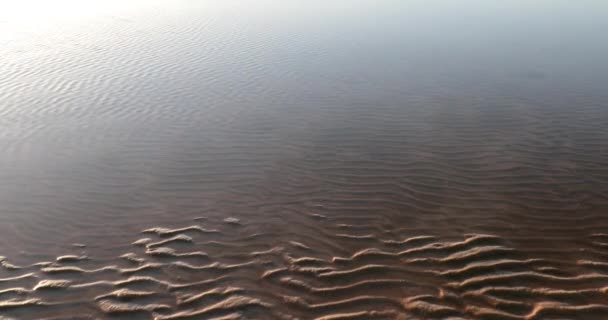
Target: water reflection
<point>357,130</point>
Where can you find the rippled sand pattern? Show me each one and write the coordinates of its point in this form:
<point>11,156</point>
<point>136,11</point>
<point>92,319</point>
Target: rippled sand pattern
<point>214,160</point>
<point>189,273</point>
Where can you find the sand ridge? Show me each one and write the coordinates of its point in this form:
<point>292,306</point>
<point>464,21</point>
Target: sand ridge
<point>474,276</point>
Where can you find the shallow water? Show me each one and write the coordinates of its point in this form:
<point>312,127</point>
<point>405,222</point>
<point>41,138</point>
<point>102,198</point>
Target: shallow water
<point>300,160</point>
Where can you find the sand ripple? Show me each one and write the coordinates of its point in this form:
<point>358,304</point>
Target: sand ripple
<point>179,159</point>
<point>474,276</point>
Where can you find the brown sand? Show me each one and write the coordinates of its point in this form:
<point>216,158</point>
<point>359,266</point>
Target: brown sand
<point>310,160</point>
<point>379,218</point>
<point>477,276</point>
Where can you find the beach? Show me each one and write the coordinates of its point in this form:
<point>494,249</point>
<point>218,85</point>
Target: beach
<point>291,160</point>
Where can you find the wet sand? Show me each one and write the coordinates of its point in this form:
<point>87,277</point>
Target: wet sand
<point>218,161</point>
<point>349,273</point>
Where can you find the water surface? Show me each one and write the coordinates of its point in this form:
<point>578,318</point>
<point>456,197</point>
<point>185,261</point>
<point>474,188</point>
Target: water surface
<point>331,160</point>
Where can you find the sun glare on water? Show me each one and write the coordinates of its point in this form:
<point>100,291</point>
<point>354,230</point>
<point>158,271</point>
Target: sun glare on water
<point>41,10</point>
<point>23,19</point>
